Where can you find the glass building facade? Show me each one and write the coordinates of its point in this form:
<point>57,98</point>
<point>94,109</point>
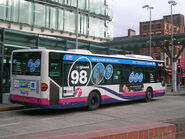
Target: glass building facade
<point>94,19</point>
<point>94,23</point>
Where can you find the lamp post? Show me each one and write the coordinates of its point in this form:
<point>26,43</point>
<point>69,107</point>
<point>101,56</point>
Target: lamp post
<point>150,8</point>
<point>77,12</point>
<point>174,66</point>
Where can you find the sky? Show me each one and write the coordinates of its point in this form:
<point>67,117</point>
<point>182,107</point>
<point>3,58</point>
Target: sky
<point>128,13</point>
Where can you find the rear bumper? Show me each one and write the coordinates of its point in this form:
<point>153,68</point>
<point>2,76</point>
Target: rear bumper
<point>28,100</point>
<point>44,103</point>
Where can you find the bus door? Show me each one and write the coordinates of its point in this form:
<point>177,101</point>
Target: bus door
<point>55,74</point>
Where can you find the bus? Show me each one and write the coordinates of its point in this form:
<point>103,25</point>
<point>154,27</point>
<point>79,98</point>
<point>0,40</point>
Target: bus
<point>56,79</point>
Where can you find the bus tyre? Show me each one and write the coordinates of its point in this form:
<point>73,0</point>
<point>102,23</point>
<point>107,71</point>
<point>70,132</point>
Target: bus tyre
<point>148,95</point>
<point>93,101</point>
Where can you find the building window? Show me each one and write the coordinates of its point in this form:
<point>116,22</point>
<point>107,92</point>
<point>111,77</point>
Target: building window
<point>175,29</point>
<point>144,28</point>
<point>158,26</point>
<point>144,51</point>
<point>152,27</point>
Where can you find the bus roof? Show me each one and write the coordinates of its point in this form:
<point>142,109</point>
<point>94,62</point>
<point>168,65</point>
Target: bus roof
<point>87,52</point>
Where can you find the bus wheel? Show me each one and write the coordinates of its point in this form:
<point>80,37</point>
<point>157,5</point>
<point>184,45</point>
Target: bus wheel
<point>93,101</point>
<point>148,95</point>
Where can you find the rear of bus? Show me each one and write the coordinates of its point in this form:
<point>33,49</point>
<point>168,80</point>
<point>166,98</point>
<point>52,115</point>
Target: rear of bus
<point>27,86</point>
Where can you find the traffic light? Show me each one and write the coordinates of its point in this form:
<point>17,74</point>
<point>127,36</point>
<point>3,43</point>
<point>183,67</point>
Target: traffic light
<point>179,69</point>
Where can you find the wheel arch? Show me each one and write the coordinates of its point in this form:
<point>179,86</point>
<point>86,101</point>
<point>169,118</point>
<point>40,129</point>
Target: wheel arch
<point>98,92</point>
<point>150,88</point>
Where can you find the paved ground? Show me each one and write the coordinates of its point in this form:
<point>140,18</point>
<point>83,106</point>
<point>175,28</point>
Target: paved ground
<point>34,122</point>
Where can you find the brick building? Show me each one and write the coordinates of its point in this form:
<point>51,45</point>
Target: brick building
<point>163,27</point>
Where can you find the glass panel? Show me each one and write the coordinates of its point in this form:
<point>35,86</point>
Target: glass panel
<point>9,10</point>
<point>26,63</point>
<point>82,4</point>
<point>74,3</point>
<point>55,0</point>
<point>3,9</point>
<point>83,25</point>
<point>84,46</point>
<point>39,15</point>
<point>66,2</point>
<point>53,18</point>
<point>97,7</point>
<point>98,49</point>
<point>47,19</point>
<point>9,48</point>
<point>69,23</point>
<point>25,12</point>
<point>71,45</point>
<point>60,19</point>
<point>15,10</point>
<point>52,43</point>
<point>61,1</point>
<point>94,27</point>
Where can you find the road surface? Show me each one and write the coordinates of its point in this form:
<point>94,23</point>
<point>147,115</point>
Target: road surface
<point>35,122</point>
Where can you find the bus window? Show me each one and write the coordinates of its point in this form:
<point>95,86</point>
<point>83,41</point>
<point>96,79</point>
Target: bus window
<point>55,67</point>
<point>126,71</point>
<point>26,63</point>
<point>117,75</point>
<point>150,76</point>
<point>66,68</point>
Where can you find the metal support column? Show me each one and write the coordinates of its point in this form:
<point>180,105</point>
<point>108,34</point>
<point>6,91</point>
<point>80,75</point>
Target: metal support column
<point>37,41</point>
<point>2,58</point>
<point>77,13</point>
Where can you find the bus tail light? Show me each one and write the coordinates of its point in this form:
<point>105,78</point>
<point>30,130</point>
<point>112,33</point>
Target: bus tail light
<point>44,87</point>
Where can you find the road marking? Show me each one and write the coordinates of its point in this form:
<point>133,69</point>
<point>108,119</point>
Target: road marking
<point>10,124</point>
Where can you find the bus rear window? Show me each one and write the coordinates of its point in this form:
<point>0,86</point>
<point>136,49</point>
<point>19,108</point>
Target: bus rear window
<point>26,63</point>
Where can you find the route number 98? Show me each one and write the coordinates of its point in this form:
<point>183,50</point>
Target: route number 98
<point>78,77</point>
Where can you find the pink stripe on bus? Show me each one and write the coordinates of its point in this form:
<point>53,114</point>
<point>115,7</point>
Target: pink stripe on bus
<point>42,101</point>
<point>158,91</point>
<point>67,100</point>
<point>133,94</point>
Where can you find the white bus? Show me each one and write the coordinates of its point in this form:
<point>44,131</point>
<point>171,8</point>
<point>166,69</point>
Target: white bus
<point>65,79</point>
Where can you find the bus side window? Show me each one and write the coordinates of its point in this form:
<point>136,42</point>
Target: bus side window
<point>150,76</point>
<point>55,67</point>
<point>138,70</point>
<point>126,71</point>
<point>66,68</point>
<point>117,75</point>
